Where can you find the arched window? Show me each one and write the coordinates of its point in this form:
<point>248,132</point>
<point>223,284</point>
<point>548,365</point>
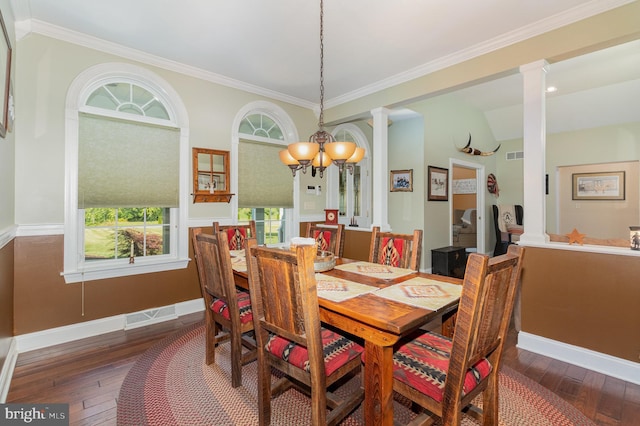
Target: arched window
<point>261,126</point>
<point>353,189</point>
<point>266,191</point>
<point>126,153</point>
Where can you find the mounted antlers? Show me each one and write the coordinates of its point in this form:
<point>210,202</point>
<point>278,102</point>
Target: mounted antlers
<point>472,151</point>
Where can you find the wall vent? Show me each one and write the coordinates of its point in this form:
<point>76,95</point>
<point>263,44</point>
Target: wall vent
<point>515,155</point>
<point>151,316</point>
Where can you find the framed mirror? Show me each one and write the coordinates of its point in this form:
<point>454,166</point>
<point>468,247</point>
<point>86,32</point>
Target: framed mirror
<point>211,176</point>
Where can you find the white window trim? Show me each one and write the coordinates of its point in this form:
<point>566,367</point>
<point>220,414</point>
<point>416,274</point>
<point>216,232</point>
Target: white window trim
<point>333,176</point>
<point>75,270</point>
<point>290,134</point>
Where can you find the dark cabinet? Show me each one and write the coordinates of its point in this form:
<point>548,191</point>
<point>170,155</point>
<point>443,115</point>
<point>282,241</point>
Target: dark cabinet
<point>449,261</point>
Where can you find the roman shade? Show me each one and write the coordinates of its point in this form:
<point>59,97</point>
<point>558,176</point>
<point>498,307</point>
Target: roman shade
<point>127,163</point>
<point>262,180</point>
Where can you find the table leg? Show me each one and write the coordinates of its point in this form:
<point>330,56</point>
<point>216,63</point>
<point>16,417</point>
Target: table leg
<point>378,384</point>
<point>449,323</point>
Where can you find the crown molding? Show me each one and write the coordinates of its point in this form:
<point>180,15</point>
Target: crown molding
<point>559,20</point>
<point>578,13</point>
<point>74,37</point>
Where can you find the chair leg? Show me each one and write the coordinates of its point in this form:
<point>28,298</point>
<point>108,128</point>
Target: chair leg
<point>490,402</point>
<point>452,416</point>
<point>264,391</point>
<point>236,359</point>
<point>211,341</point>
<point>318,406</point>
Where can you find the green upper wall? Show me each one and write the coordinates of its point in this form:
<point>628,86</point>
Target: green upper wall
<point>46,68</point>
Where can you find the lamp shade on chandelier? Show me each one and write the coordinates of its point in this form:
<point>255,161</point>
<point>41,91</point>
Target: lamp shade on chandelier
<point>322,148</point>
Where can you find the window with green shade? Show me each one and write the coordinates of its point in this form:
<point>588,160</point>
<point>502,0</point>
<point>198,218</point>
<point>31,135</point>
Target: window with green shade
<point>265,186</point>
<point>126,192</point>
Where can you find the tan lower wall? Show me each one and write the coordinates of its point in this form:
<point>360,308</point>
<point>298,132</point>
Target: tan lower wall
<point>584,299</point>
<point>588,300</point>
<point>43,300</point>
<point>6,300</point>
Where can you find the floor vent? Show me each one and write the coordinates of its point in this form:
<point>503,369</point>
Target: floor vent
<point>515,155</point>
<point>151,316</point>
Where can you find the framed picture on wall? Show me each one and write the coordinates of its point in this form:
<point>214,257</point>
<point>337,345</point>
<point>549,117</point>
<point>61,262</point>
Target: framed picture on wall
<point>438,184</point>
<point>5,77</point>
<point>598,186</point>
<point>401,181</point>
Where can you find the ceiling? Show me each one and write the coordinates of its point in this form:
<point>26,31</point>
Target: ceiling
<point>273,48</point>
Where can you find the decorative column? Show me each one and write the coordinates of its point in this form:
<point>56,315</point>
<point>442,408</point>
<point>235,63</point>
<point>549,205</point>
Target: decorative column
<point>534,119</point>
<point>380,174</point>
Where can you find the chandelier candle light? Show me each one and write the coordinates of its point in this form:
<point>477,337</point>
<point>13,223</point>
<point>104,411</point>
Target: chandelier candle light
<point>322,148</point>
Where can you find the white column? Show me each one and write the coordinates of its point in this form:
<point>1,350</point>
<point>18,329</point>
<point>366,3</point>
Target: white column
<point>534,85</point>
<point>331,187</point>
<point>380,174</point>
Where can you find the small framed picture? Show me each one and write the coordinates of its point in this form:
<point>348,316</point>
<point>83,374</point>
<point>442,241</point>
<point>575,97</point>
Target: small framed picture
<point>438,184</point>
<point>598,186</point>
<point>401,181</point>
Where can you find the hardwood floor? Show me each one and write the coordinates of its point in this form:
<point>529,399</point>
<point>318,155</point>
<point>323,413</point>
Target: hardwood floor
<point>88,373</point>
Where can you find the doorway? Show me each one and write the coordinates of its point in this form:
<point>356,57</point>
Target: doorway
<point>466,205</point>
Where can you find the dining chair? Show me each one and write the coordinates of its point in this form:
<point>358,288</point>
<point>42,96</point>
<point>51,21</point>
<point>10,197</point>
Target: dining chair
<point>237,234</point>
<point>400,250</point>
<point>444,375</point>
<point>228,313</point>
<point>328,237</point>
<point>290,338</point>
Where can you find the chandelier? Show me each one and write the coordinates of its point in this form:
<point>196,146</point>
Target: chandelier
<point>322,148</point>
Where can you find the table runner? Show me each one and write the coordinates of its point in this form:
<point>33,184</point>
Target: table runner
<point>375,270</point>
<point>423,293</point>
<point>338,289</point>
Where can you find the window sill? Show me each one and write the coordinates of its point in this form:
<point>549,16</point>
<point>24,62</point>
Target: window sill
<point>100,272</point>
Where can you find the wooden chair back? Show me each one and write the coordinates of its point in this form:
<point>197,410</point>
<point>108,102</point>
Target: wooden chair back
<point>328,237</point>
<point>285,281</point>
<point>223,303</point>
<point>482,323</point>
<point>214,274</point>
<point>285,303</point>
<point>400,250</point>
<point>237,234</point>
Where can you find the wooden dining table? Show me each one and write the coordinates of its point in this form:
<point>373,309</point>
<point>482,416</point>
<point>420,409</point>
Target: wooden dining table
<point>380,322</point>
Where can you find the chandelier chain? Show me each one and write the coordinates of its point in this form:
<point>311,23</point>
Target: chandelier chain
<point>321,118</point>
<point>300,155</point>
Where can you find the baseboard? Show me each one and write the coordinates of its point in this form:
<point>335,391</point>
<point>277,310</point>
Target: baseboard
<point>55,336</point>
<point>602,363</point>
<point>7,370</point>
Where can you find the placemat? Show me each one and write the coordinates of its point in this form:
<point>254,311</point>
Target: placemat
<point>238,261</point>
<point>338,289</point>
<point>375,270</point>
<point>423,293</point>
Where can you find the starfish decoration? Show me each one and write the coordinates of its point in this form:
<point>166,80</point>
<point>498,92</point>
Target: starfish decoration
<point>575,237</point>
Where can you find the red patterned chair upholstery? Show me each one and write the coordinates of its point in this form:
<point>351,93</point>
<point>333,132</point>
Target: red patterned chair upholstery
<point>399,250</point>
<point>328,237</point>
<point>237,234</point>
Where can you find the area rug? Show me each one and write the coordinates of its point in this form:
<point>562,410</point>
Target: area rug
<point>171,385</point>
